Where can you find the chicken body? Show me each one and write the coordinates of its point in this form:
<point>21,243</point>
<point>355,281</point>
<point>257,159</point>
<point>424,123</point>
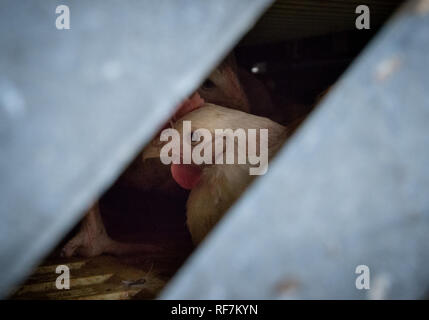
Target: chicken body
<point>223,87</point>
<point>218,186</point>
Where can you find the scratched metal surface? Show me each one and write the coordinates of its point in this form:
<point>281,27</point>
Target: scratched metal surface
<point>76,105</point>
<point>351,188</point>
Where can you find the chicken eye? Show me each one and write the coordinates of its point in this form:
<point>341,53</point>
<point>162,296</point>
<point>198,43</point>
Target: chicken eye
<point>208,84</point>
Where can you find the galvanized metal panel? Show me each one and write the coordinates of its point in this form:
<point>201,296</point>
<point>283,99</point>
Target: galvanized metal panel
<point>76,105</point>
<point>351,188</point>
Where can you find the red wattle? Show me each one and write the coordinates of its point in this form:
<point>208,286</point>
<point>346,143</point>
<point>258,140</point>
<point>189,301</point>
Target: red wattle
<point>186,175</point>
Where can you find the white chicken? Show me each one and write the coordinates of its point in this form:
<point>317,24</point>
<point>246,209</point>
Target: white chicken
<point>215,187</point>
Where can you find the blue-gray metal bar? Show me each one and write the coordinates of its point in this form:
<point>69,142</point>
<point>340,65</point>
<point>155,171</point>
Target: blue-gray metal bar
<point>76,105</point>
<point>351,188</point>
